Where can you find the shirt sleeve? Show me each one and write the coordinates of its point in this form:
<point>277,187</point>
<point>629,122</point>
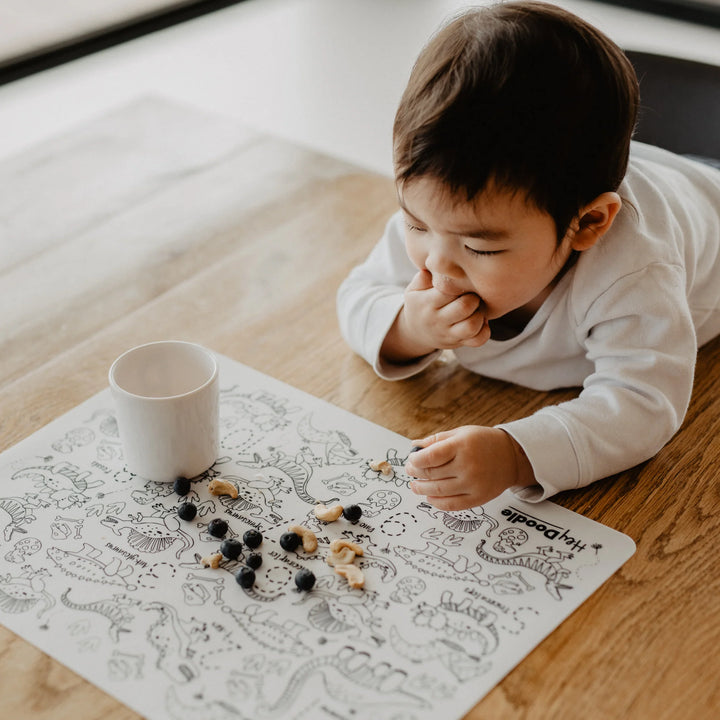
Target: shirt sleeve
<point>370,298</point>
<point>640,338</point>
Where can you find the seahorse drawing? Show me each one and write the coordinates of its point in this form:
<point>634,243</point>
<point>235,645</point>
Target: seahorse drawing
<point>150,534</point>
<point>464,521</point>
<point>433,560</point>
<point>546,562</point>
<point>116,609</point>
<point>337,446</point>
<point>259,623</point>
<point>349,678</point>
<point>86,564</point>
<point>21,593</point>
<point>172,643</point>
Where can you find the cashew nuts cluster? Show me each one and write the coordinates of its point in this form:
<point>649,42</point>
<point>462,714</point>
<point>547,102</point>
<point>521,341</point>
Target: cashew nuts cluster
<point>342,556</point>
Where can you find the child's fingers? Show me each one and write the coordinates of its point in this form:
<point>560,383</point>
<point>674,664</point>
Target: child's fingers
<point>444,487</point>
<point>421,281</point>
<point>430,461</point>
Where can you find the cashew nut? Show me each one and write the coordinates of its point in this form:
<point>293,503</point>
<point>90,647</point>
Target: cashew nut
<point>382,466</point>
<point>339,543</point>
<point>328,514</point>
<point>352,573</point>
<point>344,556</point>
<point>309,541</point>
<point>222,487</point>
<point>212,561</point>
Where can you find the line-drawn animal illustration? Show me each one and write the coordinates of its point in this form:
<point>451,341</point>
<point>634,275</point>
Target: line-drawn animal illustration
<point>23,592</point>
<point>434,560</point>
<point>350,677</point>
<point>349,614</point>
<point>171,641</point>
<point>337,446</point>
<point>86,564</point>
<point>15,514</point>
<point>545,561</point>
<point>464,521</point>
<point>260,624</point>
<point>63,485</point>
<point>116,609</point>
<point>461,635</point>
<point>151,534</point>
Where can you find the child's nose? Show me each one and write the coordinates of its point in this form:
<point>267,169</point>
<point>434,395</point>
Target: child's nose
<point>441,262</point>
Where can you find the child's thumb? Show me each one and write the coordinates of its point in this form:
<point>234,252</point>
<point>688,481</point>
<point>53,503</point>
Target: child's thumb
<point>421,281</point>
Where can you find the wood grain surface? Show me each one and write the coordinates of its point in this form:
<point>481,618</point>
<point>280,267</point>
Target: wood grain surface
<point>159,221</point>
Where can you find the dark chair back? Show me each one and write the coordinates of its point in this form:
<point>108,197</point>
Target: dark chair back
<point>679,104</point>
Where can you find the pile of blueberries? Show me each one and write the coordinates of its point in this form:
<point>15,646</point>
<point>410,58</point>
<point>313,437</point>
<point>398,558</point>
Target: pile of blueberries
<point>231,548</point>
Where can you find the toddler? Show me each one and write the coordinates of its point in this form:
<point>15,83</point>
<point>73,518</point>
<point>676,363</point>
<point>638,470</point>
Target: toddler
<point>543,248</point>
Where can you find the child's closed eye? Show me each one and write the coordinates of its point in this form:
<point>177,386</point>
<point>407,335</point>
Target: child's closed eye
<point>416,228</point>
<point>474,251</point>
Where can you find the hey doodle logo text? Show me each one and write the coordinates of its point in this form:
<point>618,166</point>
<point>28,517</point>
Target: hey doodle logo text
<point>547,529</point>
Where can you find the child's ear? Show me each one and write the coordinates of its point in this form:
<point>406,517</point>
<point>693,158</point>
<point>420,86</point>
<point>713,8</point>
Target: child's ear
<point>595,219</point>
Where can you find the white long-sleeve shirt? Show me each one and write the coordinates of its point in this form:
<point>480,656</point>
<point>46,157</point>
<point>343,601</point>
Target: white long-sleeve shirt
<point>624,323</point>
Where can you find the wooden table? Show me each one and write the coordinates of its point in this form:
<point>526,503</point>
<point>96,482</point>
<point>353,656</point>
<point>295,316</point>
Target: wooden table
<point>158,221</point>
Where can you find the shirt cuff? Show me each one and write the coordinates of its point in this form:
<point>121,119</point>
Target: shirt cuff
<point>550,451</point>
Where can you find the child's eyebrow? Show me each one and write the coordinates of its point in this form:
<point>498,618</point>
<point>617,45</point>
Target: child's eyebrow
<point>478,233</point>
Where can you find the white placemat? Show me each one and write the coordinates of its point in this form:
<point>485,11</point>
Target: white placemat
<point>97,570</point>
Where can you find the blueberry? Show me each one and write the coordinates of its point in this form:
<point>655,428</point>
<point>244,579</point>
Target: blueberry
<point>217,527</point>
<point>352,513</point>
<point>187,511</point>
<point>245,577</point>
<point>181,485</point>
<point>252,538</point>
<point>289,541</point>
<point>231,549</point>
<point>254,560</point>
<point>305,579</point>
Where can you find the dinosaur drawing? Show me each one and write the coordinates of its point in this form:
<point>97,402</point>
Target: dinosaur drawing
<point>116,609</point>
<point>349,677</point>
<point>86,564</point>
<point>546,562</point>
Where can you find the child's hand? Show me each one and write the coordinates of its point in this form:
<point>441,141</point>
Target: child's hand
<point>443,321</point>
<point>431,320</point>
<point>467,467</point>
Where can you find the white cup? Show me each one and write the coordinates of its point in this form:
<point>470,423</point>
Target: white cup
<point>167,402</point>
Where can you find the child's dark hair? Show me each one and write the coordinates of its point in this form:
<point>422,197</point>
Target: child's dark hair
<point>524,96</point>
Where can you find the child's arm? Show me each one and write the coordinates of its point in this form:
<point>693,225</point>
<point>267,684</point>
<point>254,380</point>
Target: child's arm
<point>467,467</point>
